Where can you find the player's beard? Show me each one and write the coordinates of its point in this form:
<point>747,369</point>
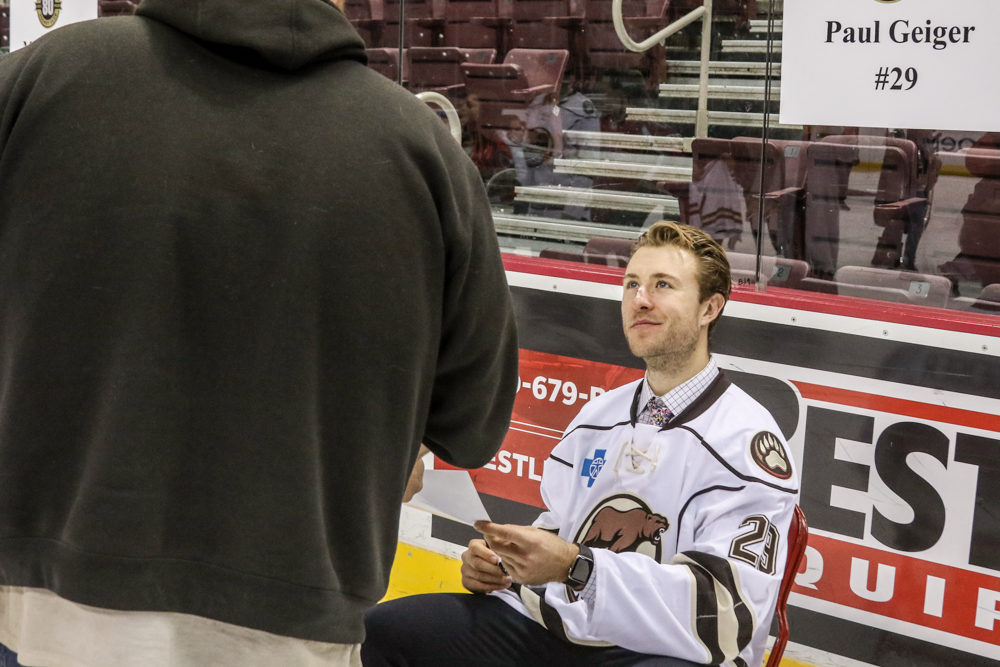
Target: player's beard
<point>672,350</point>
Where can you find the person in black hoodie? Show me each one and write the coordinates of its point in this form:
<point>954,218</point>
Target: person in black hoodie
<point>242,278</point>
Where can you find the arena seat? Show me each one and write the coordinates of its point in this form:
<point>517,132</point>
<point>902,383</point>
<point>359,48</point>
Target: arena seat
<point>425,21</point>
<point>5,25</point>
<point>895,286</point>
<point>506,90</point>
<point>899,207</point>
<point>368,18</point>
<point>386,62</point>
<point>438,68</point>
<point>783,187</point>
<point>777,271</point>
<point>546,24</point>
<point>713,199</point>
<point>979,237</point>
<point>565,255</point>
<point>107,8</point>
<point>798,538</point>
<point>603,50</point>
<point>740,11</point>
<point>479,24</point>
<point>988,301</point>
<point>608,251</point>
<point>827,175</point>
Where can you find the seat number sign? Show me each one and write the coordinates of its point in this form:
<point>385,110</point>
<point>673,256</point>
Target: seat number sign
<point>891,63</point>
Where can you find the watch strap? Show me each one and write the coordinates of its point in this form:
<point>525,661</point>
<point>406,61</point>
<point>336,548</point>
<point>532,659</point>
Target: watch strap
<point>579,573</point>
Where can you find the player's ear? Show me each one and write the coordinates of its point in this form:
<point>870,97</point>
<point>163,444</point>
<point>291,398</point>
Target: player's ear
<point>711,308</point>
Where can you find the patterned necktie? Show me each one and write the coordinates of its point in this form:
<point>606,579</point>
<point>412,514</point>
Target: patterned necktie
<point>657,412</point>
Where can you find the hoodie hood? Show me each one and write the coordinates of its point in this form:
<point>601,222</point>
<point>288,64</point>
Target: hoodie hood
<point>287,33</point>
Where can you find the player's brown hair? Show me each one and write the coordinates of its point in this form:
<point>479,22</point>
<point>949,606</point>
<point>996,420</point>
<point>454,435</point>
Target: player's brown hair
<point>713,267</point>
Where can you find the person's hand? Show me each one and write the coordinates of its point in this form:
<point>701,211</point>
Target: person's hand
<point>481,571</point>
<point>416,481</point>
<point>531,556</point>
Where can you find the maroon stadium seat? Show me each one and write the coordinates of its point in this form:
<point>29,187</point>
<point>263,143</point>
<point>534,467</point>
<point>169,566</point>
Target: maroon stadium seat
<point>565,255</point>
<point>500,92</point>
<point>784,180</point>
<point>546,24</point>
<point>116,8</point>
<point>479,24</point>
<point>739,10</point>
<point>608,251</point>
<point>438,68</point>
<point>896,286</point>
<point>386,62</point>
<point>425,21</point>
<point>4,25</point>
<point>979,238</point>
<point>900,208</point>
<point>368,18</point>
<point>603,49</point>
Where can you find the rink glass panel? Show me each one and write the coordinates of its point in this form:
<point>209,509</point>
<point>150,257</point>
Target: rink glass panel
<point>582,144</point>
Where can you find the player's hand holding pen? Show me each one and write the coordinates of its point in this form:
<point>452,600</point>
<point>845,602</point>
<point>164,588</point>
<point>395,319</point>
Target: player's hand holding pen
<point>482,571</point>
<point>532,556</point>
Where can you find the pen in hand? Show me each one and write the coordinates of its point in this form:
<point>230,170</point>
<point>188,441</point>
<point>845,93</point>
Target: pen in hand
<point>499,560</point>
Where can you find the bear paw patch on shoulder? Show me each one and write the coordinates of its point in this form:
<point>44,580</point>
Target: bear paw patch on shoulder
<point>767,451</point>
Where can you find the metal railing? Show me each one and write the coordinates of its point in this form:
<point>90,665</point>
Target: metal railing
<point>704,13</point>
<point>454,122</point>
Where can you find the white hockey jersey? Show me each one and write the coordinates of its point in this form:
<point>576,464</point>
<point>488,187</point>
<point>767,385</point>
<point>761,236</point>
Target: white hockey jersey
<point>687,524</point>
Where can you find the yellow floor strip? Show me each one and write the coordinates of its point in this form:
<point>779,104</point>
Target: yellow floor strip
<point>417,570</point>
<point>788,662</point>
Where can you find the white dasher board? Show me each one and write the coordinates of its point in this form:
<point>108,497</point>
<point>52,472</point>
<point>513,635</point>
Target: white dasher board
<point>915,64</point>
<point>30,19</point>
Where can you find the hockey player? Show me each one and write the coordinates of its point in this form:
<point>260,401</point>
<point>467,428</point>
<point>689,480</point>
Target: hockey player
<point>668,502</point>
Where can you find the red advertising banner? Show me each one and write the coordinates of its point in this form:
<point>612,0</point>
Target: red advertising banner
<point>954,600</point>
<point>552,389</point>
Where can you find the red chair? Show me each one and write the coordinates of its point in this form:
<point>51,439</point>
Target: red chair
<point>608,251</point>
<point>603,49</point>
<point>425,21</point>
<point>386,62</point>
<point>116,8</point>
<point>368,18</point>
<point>5,25</point>
<point>798,536</point>
<point>564,255</point>
<point>900,206</point>
<point>503,93</point>
<point>479,24</point>
<point>438,68</point>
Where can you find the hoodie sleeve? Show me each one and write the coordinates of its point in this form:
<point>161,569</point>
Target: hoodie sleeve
<point>476,374</point>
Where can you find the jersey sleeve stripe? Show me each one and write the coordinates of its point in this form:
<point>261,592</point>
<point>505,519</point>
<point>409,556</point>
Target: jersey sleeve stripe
<point>723,622</point>
<point>740,632</point>
<point>706,608</point>
<point>559,460</point>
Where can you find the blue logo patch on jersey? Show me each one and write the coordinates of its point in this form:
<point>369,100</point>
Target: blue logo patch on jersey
<point>592,467</point>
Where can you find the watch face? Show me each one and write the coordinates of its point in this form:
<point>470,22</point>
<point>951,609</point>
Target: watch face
<point>581,570</point>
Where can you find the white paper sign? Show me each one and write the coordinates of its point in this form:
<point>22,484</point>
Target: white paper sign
<point>912,64</point>
<point>452,495</point>
<point>30,19</point>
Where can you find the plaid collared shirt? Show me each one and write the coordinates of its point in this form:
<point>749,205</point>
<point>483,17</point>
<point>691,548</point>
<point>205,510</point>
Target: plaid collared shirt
<point>680,397</point>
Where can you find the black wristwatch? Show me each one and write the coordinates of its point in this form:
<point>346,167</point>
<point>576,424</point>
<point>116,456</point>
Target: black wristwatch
<point>582,567</point>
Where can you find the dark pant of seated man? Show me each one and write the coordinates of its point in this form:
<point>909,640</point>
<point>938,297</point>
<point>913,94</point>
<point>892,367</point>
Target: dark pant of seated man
<point>455,629</point>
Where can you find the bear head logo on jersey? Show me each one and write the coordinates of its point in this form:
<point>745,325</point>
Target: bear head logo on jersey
<point>624,523</point>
